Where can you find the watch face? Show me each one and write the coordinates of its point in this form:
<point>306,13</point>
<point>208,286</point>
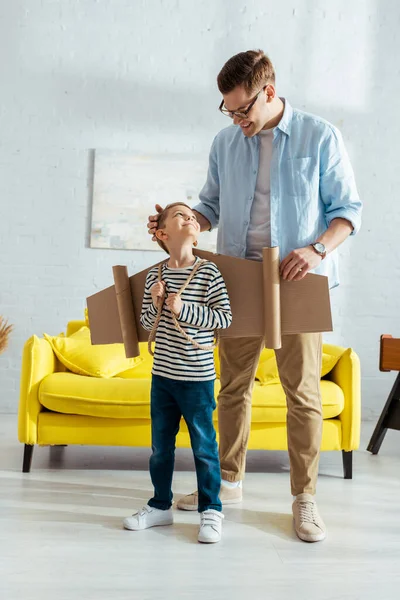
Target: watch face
<point>319,247</point>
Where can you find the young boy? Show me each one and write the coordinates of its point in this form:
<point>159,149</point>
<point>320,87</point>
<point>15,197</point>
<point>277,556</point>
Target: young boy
<point>183,371</point>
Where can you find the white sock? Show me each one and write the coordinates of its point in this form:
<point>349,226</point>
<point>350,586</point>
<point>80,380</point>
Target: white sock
<point>294,497</point>
<point>231,484</point>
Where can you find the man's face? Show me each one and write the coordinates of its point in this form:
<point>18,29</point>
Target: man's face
<point>239,100</point>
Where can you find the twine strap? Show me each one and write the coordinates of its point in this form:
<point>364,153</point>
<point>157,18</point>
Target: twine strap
<point>152,335</point>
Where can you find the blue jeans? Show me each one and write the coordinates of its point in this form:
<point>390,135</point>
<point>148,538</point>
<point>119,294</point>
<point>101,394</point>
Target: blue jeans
<point>194,400</point>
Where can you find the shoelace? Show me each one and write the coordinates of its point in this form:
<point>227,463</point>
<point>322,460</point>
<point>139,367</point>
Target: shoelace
<point>307,512</point>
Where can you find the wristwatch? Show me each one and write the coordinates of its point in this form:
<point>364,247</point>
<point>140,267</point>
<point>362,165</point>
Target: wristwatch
<point>319,249</point>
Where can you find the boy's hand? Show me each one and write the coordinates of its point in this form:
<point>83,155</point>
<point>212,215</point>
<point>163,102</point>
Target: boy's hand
<point>174,303</point>
<point>157,291</point>
<point>153,222</point>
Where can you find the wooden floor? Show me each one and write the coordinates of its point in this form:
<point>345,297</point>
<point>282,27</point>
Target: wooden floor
<point>61,536</point>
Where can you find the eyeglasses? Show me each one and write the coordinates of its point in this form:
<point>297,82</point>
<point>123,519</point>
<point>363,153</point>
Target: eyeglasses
<point>242,114</point>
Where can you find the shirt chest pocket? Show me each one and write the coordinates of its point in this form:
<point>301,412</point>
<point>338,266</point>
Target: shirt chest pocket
<point>299,176</point>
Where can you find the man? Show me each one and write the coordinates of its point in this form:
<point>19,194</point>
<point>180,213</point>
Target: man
<point>277,177</point>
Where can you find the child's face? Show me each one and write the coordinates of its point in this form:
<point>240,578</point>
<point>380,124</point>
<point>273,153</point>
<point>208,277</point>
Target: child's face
<point>180,225</point>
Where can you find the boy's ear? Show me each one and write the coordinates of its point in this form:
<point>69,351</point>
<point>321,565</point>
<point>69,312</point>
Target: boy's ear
<point>161,235</point>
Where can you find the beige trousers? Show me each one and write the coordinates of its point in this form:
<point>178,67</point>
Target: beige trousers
<point>299,365</point>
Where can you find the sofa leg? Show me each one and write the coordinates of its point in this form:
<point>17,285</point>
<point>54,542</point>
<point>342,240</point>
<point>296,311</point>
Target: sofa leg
<point>347,464</point>
<point>28,452</point>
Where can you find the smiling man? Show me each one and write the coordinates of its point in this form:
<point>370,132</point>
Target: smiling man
<point>277,177</point>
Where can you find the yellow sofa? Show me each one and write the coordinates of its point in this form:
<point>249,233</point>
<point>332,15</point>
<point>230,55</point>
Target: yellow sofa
<point>58,407</point>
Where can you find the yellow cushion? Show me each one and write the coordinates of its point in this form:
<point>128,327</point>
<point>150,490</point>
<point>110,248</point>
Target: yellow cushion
<point>142,370</point>
<point>74,326</point>
<point>79,395</point>
<point>267,370</point>
<point>122,398</point>
<point>78,354</point>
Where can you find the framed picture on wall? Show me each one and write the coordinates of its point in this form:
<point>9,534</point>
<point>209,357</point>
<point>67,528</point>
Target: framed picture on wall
<point>126,187</point>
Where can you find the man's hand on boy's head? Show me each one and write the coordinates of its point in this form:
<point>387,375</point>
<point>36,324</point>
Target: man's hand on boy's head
<point>157,291</point>
<point>153,221</point>
<point>174,303</point>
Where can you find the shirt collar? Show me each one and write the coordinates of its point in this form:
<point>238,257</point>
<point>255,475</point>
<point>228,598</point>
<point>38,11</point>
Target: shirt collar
<point>285,124</point>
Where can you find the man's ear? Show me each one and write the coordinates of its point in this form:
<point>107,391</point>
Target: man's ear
<point>270,92</point>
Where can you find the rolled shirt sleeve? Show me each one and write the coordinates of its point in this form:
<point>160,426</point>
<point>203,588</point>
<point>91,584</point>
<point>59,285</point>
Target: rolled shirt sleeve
<point>337,184</point>
<point>209,194</point>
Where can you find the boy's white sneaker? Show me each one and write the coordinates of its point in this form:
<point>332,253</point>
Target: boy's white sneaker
<point>148,517</point>
<point>210,526</point>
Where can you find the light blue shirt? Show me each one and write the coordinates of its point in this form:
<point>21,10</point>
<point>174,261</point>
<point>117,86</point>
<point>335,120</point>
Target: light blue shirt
<point>312,183</point>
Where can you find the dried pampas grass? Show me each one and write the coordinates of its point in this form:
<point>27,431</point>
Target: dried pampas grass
<point>5,330</point>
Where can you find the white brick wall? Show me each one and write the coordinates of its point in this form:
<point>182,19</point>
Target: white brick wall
<point>140,75</point>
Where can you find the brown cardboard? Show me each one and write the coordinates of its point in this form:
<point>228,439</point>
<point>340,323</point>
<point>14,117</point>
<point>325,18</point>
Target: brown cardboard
<point>126,311</point>
<point>272,298</point>
<point>104,321</point>
<point>261,299</point>
<point>261,302</point>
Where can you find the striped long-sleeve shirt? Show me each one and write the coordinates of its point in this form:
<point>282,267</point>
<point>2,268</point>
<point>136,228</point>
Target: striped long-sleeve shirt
<point>205,307</point>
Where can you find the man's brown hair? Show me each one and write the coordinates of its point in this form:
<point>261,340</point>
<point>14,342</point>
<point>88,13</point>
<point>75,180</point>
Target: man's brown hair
<point>252,69</point>
<point>163,217</point>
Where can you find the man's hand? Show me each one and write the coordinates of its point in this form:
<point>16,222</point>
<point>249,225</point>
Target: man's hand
<point>157,291</point>
<point>174,303</point>
<point>298,263</point>
<point>153,222</point>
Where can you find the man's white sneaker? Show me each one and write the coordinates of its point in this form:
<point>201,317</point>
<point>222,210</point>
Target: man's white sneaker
<point>308,524</point>
<point>148,517</point>
<point>210,526</point>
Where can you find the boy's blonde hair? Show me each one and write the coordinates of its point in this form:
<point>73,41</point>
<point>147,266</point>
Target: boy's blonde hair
<point>163,217</point>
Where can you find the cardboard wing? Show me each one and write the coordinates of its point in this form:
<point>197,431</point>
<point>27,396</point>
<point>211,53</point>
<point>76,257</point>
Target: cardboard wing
<point>262,303</point>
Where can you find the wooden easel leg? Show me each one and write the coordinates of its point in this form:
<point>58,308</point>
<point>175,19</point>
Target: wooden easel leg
<point>389,419</point>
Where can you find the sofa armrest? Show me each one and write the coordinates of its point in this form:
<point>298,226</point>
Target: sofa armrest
<point>38,361</point>
<point>346,374</point>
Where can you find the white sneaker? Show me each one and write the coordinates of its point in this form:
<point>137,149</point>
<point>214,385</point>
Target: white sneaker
<point>227,495</point>
<point>210,526</point>
<point>148,517</point>
<point>308,524</point>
